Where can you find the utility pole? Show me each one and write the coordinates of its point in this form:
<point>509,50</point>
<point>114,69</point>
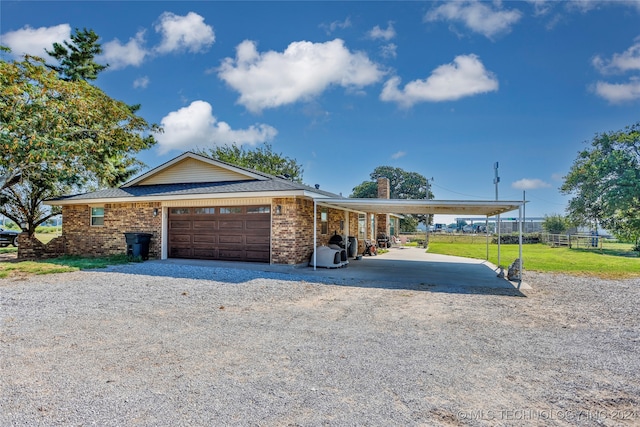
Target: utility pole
<point>496,181</point>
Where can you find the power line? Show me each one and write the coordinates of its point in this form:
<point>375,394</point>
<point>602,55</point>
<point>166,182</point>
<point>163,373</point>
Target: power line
<point>456,192</point>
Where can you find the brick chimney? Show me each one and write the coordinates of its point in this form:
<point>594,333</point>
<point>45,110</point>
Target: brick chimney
<point>384,191</point>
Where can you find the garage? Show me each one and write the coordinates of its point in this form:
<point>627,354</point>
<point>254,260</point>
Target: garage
<point>233,233</point>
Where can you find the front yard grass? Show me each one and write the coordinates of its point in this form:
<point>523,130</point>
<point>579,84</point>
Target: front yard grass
<point>616,261</point>
<point>58,265</point>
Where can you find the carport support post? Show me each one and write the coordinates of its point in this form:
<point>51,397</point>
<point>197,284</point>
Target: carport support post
<point>520,241</point>
<point>315,233</point>
<point>486,232</point>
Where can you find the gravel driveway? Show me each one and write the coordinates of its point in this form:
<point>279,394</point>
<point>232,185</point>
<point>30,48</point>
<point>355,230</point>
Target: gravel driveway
<point>151,345</point>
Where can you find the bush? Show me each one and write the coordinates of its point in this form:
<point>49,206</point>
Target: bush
<point>47,229</point>
<point>555,224</point>
<point>514,239</point>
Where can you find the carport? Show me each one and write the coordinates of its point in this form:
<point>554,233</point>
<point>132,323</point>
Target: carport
<point>486,208</point>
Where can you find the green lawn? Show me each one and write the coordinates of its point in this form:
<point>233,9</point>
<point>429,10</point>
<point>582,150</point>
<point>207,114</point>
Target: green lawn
<point>615,261</point>
<point>58,265</point>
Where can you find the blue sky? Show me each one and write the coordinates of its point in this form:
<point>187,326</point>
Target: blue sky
<point>443,89</point>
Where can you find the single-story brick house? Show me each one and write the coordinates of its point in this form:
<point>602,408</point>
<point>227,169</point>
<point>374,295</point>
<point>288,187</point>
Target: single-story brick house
<point>197,207</point>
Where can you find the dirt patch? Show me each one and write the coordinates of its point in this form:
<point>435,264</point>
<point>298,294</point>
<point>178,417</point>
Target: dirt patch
<point>8,257</point>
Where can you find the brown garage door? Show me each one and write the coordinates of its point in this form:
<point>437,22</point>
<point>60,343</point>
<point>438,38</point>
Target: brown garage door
<point>235,233</point>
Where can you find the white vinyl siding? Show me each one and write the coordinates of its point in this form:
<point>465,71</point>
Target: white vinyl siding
<point>191,170</point>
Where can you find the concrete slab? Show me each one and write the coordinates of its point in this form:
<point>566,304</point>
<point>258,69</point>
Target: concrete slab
<point>404,267</point>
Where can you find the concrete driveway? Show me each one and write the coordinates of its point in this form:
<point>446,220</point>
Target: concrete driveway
<point>401,267</point>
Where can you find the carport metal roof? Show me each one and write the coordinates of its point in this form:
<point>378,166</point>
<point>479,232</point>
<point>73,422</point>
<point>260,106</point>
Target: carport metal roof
<point>421,206</point>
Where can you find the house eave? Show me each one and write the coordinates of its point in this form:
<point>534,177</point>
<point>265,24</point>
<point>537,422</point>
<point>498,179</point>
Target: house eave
<point>185,197</point>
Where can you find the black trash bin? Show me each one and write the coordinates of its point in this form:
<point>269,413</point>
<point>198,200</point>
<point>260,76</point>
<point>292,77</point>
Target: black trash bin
<point>138,245</point>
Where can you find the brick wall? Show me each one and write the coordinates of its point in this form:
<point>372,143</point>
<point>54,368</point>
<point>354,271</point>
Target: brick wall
<point>32,248</point>
<point>291,235</point>
<point>292,229</point>
<point>108,239</point>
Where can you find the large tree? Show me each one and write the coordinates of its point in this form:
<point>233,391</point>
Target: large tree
<point>604,181</point>
<point>22,203</point>
<point>76,58</point>
<point>56,128</point>
<point>261,158</point>
<point>402,185</point>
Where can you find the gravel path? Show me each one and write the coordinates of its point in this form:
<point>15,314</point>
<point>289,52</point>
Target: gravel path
<point>133,346</point>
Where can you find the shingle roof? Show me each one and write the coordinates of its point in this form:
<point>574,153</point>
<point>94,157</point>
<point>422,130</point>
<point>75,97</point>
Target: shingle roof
<point>160,190</point>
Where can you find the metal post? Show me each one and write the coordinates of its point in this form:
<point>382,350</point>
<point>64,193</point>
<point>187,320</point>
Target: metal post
<point>486,232</point>
<point>315,234</point>
<point>496,180</point>
<point>520,213</point>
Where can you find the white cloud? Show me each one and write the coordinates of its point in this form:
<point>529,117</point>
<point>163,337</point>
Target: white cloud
<point>466,76</point>
<point>335,25</point>
<point>619,92</point>
<point>195,126</point>
<point>184,33</point>
<point>34,41</point>
<point>585,6</point>
<point>398,155</point>
<point>629,60</point>
<point>477,16</point>
<point>141,82</point>
<point>530,184</point>
<point>301,72</point>
<point>120,56</point>
<point>541,7</point>
<point>389,50</point>
<point>379,33</point>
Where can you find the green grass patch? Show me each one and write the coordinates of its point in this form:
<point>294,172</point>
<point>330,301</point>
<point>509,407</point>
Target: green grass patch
<point>616,261</point>
<point>58,265</point>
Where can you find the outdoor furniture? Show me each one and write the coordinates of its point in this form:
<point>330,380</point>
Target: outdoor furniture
<point>327,257</point>
<point>369,248</point>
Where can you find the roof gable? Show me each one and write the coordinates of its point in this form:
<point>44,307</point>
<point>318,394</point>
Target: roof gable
<point>193,168</point>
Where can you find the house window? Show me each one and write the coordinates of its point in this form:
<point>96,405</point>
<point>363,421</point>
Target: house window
<point>230,210</point>
<point>97,216</point>
<point>324,221</point>
<point>204,211</point>
<point>259,209</point>
<point>392,226</point>
<point>179,211</point>
<point>362,225</point>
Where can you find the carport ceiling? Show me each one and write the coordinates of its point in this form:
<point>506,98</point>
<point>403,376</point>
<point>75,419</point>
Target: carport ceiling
<point>412,206</point>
